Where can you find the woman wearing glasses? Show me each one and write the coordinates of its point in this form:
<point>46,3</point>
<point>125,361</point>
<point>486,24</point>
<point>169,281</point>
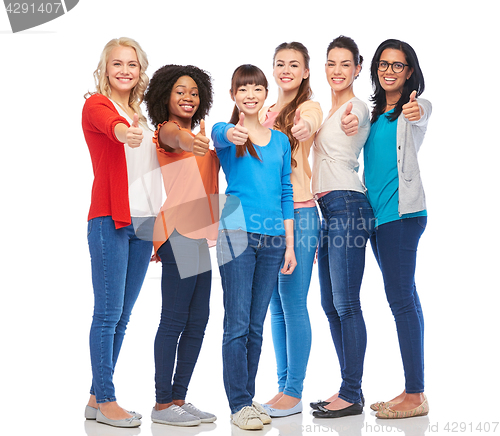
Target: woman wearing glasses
<point>392,177</point>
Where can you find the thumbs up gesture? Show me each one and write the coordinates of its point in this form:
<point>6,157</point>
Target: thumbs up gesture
<point>411,110</point>
<point>134,133</point>
<point>301,129</point>
<point>239,134</point>
<point>200,141</point>
<point>349,122</point>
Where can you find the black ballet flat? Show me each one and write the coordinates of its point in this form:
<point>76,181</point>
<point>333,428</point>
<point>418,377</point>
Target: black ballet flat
<point>354,409</point>
<point>315,404</point>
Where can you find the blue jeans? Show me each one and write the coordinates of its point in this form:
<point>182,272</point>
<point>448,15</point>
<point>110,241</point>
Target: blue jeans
<point>119,261</point>
<point>248,281</point>
<point>395,247</point>
<point>184,314</point>
<point>289,317</point>
<point>348,224</point>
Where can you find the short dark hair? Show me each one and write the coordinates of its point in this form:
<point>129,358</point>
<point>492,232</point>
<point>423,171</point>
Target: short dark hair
<point>414,83</point>
<point>160,87</point>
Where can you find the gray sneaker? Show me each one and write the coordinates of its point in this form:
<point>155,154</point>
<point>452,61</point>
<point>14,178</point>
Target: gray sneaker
<point>204,416</point>
<point>174,415</point>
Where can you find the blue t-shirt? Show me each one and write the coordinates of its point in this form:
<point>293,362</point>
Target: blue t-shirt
<point>381,171</point>
<point>259,192</point>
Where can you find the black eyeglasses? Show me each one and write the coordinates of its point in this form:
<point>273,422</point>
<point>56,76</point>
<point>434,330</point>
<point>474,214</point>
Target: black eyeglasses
<point>397,67</point>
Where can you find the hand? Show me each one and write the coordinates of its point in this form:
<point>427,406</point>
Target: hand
<point>349,122</point>
<point>290,262</point>
<point>240,132</point>
<point>411,110</point>
<point>134,133</point>
<point>200,141</point>
<point>301,130</point>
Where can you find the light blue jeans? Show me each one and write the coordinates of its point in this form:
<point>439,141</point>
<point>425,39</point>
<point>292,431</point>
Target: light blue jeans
<point>119,262</point>
<point>249,264</point>
<point>290,323</point>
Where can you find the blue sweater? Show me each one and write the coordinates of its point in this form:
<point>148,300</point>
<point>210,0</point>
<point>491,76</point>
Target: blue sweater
<point>259,193</point>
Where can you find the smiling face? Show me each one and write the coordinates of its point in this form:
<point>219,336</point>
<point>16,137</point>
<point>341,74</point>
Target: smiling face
<point>392,82</point>
<point>340,69</point>
<point>249,98</point>
<point>289,70</point>
<point>123,70</point>
<point>184,101</point>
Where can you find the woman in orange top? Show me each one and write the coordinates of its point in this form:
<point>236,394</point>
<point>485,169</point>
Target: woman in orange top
<point>178,99</point>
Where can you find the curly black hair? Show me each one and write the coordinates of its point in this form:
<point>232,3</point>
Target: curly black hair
<point>160,87</point>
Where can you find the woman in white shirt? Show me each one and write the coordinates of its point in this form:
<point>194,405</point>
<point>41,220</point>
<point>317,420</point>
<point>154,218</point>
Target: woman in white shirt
<point>347,224</point>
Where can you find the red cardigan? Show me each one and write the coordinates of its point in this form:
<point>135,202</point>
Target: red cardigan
<point>110,187</point>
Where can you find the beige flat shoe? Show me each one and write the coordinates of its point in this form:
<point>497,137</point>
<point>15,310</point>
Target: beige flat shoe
<point>379,405</point>
<point>388,413</point>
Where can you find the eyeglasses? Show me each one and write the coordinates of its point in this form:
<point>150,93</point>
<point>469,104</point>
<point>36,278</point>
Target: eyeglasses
<point>397,67</point>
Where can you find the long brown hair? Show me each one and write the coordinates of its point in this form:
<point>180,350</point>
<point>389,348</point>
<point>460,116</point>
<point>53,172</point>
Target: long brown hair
<point>284,120</point>
<point>246,75</point>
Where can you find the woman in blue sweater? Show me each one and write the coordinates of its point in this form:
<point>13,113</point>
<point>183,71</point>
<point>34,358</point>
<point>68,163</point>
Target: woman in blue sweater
<point>392,177</point>
<point>255,236</point>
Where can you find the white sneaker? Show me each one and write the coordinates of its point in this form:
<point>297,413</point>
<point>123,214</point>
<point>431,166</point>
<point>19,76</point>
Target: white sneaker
<point>247,419</point>
<point>262,413</point>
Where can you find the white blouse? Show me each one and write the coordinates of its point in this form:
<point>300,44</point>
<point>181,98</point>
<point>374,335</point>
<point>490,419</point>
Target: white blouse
<point>144,175</point>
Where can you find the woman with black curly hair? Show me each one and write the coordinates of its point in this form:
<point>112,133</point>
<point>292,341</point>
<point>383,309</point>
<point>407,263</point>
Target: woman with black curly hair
<point>178,99</point>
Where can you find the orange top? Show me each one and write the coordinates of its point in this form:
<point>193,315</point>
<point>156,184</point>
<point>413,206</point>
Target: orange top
<point>192,187</point>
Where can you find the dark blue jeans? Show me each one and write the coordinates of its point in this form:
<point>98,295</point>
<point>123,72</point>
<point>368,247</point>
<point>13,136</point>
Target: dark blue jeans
<point>395,247</point>
<point>184,314</point>
<point>347,226</point>
<point>119,261</point>
<point>249,264</point>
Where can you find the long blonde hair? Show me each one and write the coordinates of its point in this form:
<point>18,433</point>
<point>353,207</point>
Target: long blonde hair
<point>102,82</point>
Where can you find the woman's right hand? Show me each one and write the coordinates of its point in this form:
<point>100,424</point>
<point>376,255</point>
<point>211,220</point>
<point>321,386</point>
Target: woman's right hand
<point>134,133</point>
<point>200,141</point>
<point>349,122</point>
<point>238,135</point>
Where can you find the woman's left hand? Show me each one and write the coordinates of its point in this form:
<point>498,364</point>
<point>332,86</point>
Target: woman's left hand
<point>301,130</point>
<point>290,262</point>
<point>411,110</point>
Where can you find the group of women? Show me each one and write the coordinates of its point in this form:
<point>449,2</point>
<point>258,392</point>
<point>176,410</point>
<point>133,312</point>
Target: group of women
<point>269,229</point>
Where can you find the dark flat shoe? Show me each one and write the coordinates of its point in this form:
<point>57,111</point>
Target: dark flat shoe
<point>354,409</point>
<point>315,404</point>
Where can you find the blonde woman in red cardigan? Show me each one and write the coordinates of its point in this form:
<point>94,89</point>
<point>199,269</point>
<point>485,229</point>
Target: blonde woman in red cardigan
<point>126,195</point>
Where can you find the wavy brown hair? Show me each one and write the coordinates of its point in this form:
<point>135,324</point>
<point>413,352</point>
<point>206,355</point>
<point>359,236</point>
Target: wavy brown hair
<point>284,120</point>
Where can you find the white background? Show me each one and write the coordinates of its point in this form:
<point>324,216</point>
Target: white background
<point>46,178</point>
